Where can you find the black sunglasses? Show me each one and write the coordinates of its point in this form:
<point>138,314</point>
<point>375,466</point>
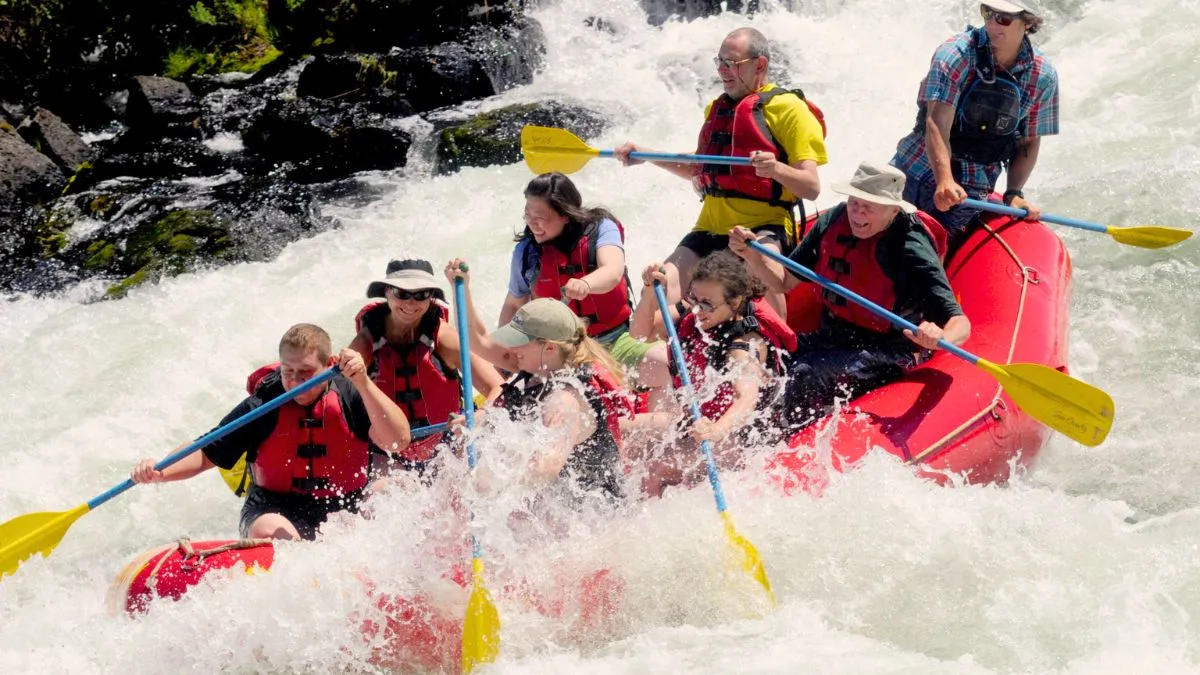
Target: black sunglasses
<point>401,294</point>
<point>1001,18</point>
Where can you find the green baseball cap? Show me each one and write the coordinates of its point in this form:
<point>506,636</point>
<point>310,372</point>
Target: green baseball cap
<point>542,318</point>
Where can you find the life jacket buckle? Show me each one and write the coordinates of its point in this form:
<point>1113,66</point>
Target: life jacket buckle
<point>311,451</point>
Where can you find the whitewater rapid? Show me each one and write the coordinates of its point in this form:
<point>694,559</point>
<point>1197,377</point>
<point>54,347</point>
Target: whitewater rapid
<point>1087,564</point>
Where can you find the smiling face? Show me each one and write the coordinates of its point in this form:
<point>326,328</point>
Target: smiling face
<point>406,306</point>
<point>868,219</point>
<point>544,222</point>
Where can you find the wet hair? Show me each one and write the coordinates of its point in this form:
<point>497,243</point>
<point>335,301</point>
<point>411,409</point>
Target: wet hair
<point>1033,22</point>
<point>562,195</point>
<point>728,270</point>
<point>756,42</point>
<point>583,350</point>
<point>307,337</point>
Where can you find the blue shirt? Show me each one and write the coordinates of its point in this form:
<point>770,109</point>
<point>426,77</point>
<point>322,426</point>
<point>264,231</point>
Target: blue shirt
<point>521,286</point>
<point>949,71</point>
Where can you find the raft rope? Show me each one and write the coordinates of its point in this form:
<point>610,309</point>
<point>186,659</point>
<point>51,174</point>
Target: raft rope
<point>184,545</point>
<point>997,406</point>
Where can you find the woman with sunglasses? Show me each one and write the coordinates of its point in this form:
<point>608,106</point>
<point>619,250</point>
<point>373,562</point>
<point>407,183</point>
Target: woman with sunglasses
<point>734,345</point>
<point>577,255</point>
<point>988,99</point>
<point>412,351</point>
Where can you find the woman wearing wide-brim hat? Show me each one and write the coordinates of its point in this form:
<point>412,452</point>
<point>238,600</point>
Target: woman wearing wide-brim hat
<point>412,350</point>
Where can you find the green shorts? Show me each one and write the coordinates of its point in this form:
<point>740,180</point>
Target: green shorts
<point>628,350</point>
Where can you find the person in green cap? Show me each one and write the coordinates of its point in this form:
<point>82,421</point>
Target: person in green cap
<point>565,381</point>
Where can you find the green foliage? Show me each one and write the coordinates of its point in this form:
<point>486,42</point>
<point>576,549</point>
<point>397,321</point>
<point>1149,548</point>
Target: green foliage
<point>202,14</point>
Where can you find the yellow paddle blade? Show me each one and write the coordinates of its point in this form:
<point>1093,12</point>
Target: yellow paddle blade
<point>481,627</point>
<point>1069,406</point>
<point>548,149</point>
<point>1148,236</point>
<point>236,477</point>
<point>33,533</point>
<point>751,562</point>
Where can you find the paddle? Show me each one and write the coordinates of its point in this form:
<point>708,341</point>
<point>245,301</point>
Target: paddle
<point>750,560</point>
<point>33,533</point>
<point>1071,407</point>
<point>549,149</point>
<point>1145,236</point>
<point>481,625</point>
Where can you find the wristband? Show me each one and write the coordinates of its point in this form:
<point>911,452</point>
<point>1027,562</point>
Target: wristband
<point>1009,195</point>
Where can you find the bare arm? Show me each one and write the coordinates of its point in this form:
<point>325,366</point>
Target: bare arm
<point>610,261</point>
<point>938,120</point>
<point>687,171</point>
<point>567,413</point>
<point>507,311</point>
<point>647,321</point>
<point>484,376</point>
<point>771,273</point>
<point>389,425</point>
<point>363,343</point>
<point>801,178</point>
<point>192,465</point>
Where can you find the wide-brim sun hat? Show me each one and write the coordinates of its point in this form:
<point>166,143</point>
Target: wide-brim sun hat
<point>876,183</point>
<point>407,275</point>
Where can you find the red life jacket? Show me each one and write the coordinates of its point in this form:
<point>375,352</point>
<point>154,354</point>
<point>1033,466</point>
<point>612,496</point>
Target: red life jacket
<point>852,262</point>
<point>425,389</point>
<point>604,311</point>
<point>738,129</point>
<point>312,450</point>
<point>701,350</point>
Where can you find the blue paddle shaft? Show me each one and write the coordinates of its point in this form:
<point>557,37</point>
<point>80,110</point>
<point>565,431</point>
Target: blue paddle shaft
<point>221,432</point>
<point>464,355</point>
<point>896,319</point>
<point>681,366</point>
<point>426,432</point>
<point>468,388</point>
<point>683,159</point>
<point>1046,217</point>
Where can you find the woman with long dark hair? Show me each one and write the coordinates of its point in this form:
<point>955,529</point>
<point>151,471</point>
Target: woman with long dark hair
<point>577,255</point>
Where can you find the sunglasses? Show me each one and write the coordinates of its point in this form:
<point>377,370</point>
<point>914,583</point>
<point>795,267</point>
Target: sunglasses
<point>704,305</point>
<point>1001,18</point>
<point>401,294</point>
<point>719,61</point>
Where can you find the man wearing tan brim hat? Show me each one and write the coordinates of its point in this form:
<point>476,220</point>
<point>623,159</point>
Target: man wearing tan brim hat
<point>986,102</point>
<point>878,245</point>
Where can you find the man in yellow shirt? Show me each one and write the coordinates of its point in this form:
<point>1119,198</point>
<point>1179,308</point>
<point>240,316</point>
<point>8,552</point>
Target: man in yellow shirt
<point>782,135</point>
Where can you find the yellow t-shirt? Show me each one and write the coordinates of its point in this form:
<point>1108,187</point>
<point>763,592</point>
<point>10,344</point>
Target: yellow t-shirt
<point>795,128</point>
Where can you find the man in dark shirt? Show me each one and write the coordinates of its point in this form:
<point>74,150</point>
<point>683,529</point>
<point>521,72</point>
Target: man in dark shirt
<point>875,245</point>
<point>310,457</point>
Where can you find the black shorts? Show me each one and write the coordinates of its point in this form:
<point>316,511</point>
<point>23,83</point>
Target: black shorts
<point>305,513</point>
<point>703,243</point>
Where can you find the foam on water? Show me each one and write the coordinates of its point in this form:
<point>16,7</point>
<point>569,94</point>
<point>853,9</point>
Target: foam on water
<point>884,574</point>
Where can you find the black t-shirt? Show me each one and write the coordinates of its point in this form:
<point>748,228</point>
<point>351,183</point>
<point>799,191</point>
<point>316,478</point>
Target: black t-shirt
<point>907,256</point>
<point>227,450</point>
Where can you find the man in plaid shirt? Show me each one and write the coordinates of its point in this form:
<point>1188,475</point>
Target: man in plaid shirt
<point>985,104</point>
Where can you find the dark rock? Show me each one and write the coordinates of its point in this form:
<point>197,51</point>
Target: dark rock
<point>168,158</point>
<point>437,77</point>
<point>47,132</point>
<point>324,140</point>
<point>600,24</point>
<point>494,137</point>
<point>511,54</point>
<point>142,230</point>
<point>159,105</point>
<point>659,12</point>
<point>27,177</point>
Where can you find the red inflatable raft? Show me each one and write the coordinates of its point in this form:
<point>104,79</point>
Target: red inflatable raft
<point>406,633</point>
<point>946,416</point>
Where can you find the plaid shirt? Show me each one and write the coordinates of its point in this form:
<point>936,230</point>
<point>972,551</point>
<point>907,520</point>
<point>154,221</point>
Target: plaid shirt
<point>952,66</point>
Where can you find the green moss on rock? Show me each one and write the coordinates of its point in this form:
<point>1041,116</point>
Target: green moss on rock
<point>100,255</point>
